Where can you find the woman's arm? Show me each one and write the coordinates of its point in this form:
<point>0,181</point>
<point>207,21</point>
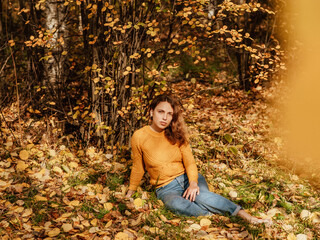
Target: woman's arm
<point>192,173</point>
<point>137,170</point>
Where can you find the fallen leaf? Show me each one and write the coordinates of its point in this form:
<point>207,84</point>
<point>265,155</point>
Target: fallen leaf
<point>243,234</point>
<point>73,164</point>
<point>94,222</point>
<point>273,212</point>
<point>121,236</point>
<point>194,227</point>
<point>74,203</point>
<point>163,218</point>
<point>21,166</point>
<point>27,227</point>
<point>305,214</point>
<point>54,232</point>
<point>108,224</point>
<point>27,212</point>
<point>108,206</point>
<point>205,222</point>
<point>56,169</point>
<point>154,230</point>
<point>233,194</point>
<point>24,154</point>
<point>138,203</point>
<point>52,153</point>
<point>302,237</point>
<point>43,175</point>
<point>287,227</point>
<point>39,198</point>
<point>63,217</point>
<point>67,227</point>
<point>94,230</point>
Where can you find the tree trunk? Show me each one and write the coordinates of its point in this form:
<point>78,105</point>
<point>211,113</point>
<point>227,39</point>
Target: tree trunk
<point>55,23</point>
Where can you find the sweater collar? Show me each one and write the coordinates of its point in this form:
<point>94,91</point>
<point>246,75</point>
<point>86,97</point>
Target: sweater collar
<point>154,133</point>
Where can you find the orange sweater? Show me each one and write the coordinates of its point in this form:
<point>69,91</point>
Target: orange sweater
<point>163,161</point>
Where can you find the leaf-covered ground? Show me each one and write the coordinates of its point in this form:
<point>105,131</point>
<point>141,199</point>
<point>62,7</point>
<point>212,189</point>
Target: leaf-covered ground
<point>52,189</point>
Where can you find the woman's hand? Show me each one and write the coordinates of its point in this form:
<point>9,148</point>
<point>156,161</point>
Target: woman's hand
<point>191,192</point>
<point>129,193</point>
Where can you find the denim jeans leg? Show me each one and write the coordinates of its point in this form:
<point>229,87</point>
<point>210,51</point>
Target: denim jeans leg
<point>213,202</point>
<point>171,196</point>
<point>206,202</point>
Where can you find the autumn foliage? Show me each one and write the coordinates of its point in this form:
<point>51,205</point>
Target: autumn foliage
<point>76,79</point>
<point>95,65</point>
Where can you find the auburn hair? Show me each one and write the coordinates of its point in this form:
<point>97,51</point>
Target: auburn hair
<point>176,132</point>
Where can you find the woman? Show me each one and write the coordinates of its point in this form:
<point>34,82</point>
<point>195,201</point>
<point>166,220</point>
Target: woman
<point>162,149</point>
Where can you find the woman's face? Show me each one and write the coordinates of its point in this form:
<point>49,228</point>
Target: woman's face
<point>161,116</point>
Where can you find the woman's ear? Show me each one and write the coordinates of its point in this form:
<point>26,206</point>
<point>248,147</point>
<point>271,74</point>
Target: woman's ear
<point>151,113</point>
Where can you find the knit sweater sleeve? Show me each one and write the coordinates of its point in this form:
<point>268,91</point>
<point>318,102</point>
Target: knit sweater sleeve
<point>137,170</point>
<point>189,163</point>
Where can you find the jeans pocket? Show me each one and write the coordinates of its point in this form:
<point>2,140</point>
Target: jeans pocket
<point>181,180</point>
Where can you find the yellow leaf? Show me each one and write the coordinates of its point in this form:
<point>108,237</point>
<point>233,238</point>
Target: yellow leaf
<point>57,169</point>
<point>154,230</point>
<point>94,230</point>
<point>4,184</point>
<point>94,222</point>
<point>67,227</point>
<point>138,203</point>
<point>291,236</point>
<point>39,198</point>
<point>230,225</point>
<point>18,209</point>
<point>125,222</point>
<point>108,206</point>
<point>108,224</point>
<point>27,212</point>
<point>24,155</point>
<point>121,236</point>
<point>73,165</point>
<point>21,166</point>
<point>163,218</point>
<point>205,222</point>
<point>74,203</point>
<point>54,232</point>
<point>64,53</point>
<point>66,215</point>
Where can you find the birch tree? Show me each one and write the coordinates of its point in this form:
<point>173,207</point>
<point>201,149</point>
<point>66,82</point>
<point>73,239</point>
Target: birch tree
<point>56,29</point>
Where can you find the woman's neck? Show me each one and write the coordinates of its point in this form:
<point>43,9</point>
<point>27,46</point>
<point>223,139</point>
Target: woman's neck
<point>153,129</point>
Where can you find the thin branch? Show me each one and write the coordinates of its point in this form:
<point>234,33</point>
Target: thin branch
<point>18,99</point>
<point>5,63</point>
<point>9,128</point>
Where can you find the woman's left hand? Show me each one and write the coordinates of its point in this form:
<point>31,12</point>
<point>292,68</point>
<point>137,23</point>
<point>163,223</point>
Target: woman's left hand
<point>191,192</point>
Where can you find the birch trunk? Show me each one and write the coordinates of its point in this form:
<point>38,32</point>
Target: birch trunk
<point>55,23</point>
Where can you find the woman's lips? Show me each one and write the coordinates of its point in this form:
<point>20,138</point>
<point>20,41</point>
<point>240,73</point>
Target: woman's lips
<point>163,123</point>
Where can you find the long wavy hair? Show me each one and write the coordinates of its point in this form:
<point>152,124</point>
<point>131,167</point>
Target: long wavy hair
<point>176,132</point>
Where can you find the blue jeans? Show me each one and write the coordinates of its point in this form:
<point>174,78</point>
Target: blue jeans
<point>206,202</point>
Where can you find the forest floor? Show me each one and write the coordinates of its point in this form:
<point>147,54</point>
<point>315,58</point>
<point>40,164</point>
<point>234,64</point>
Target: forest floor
<point>52,189</point>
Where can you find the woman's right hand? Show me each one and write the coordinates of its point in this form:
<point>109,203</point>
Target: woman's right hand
<point>130,193</point>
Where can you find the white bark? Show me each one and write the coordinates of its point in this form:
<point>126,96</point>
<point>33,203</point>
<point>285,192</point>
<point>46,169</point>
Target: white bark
<point>55,23</point>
